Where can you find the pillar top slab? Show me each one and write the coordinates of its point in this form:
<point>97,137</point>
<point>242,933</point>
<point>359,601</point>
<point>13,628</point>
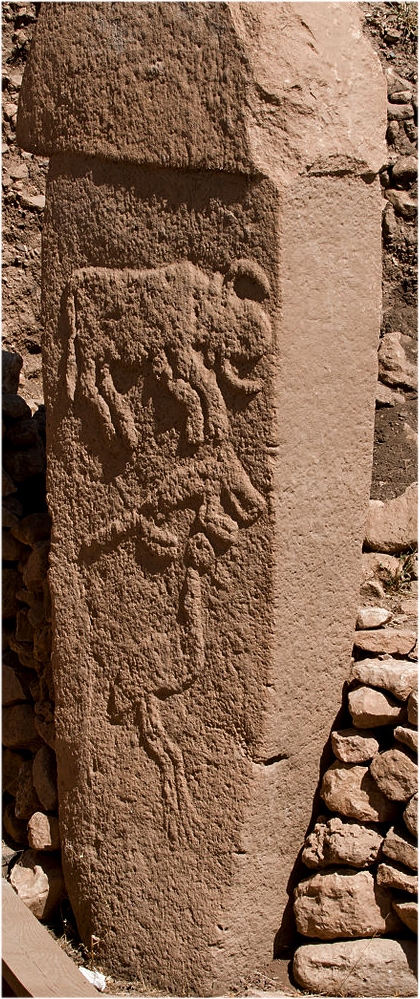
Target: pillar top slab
<point>273,89</point>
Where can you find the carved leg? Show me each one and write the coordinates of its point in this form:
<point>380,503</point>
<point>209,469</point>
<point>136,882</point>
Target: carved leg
<point>118,407</point>
<point>183,393</point>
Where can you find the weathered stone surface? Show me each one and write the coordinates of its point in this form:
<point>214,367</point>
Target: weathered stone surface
<point>342,904</point>
<point>11,365</point>
<point>351,791</point>
<point>398,677</point>
<point>11,689</point>
<point>407,735</point>
<point>373,707</point>
<point>395,773</point>
<point>333,841</point>
<point>408,913</point>
<point>372,617</point>
<point>26,800</point>
<point>19,730</point>
<point>353,746</point>
<point>395,641</point>
<point>392,526</point>
<point>406,206</point>
<point>400,847</point>
<point>24,628</point>
<point>38,880</point>
<point>43,832</point>
<point>350,968</point>
<point>395,876</point>
<point>404,170</point>
<point>44,773</point>
<point>410,815</point>
<point>188,452</point>
<point>36,568</point>
<point>33,528</point>
<point>412,708</point>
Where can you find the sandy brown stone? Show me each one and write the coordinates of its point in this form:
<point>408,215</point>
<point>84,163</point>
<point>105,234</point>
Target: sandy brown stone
<point>36,568</point>
<point>397,676</point>
<point>33,528</point>
<point>11,548</point>
<point>410,815</point>
<point>350,968</point>
<point>11,366</point>
<point>401,848</point>
<point>392,526</point>
<point>412,708</point>
<point>11,690</point>
<point>38,880</point>
<point>182,467</point>
<point>408,913</point>
<point>350,790</point>
<point>395,641</point>
<point>19,727</point>
<point>372,617</point>
<point>373,707</point>
<point>333,841</point>
<point>342,904</point>
<point>353,746</point>
<point>11,764</point>
<point>395,773</point>
<point>43,832</point>
<point>44,773</point>
<point>13,827</point>
<point>407,735</point>
<point>396,876</point>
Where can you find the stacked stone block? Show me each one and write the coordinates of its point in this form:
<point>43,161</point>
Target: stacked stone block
<point>30,802</point>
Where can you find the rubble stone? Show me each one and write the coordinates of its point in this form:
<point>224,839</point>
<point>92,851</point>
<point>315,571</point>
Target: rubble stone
<point>372,617</point>
<point>395,641</point>
<point>43,832</point>
<point>342,904</point>
<point>334,841</point>
<point>26,800</point>
<point>11,367</point>
<point>410,815</point>
<point>353,746</point>
<point>397,676</point>
<point>44,773</point>
<point>19,730</point>
<point>392,526</point>
<point>395,876</point>
<point>395,773</point>
<point>408,913</point>
<point>350,968</point>
<point>350,790</point>
<point>412,708</point>
<point>369,707</point>
<point>408,736</point>
<point>399,847</point>
<point>38,880</point>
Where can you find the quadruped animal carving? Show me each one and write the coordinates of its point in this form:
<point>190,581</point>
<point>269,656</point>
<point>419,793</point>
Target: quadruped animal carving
<point>199,338</point>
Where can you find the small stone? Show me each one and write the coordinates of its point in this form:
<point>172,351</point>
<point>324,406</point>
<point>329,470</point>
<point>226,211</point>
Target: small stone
<point>334,841</point>
<point>412,708</point>
<point>36,201</point>
<point>11,548</point>
<point>351,746</point>
<point>12,691</point>
<point>36,568</point>
<point>397,676</point>
<point>13,827</point>
<point>372,617</point>
<point>401,96</point>
<point>408,736</point>
<point>342,904</point>
<point>392,131</point>
<point>408,913</point>
<point>395,773</point>
<point>19,730</point>
<point>399,112</point>
<point>350,968</point>
<point>385,395</point>
<point>395,641</point>
<point>369,707</point>
<point>377,565</point>
<point>26,800</point>
<point>43,832</point>
<point>351,791</point>
<point>14,407</point>
<point>407,207</point>
<point>44,773</point>
<point>404,171</point>
<point>18,171</point>
<point>33,528</point>
<point>11,364</point>
<point>395,368</point>
<point>399,847</point>
<point>11,764</point>
<point>410,815</point>
<point>393,876</point>
<point>38,880</point>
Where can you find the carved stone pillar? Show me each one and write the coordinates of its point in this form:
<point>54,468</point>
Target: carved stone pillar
<point>211,276</point>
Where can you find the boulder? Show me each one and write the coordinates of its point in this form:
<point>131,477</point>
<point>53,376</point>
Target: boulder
<point>395,641</point>
<point>334,841</point>
<point>43,832</point>
<point>410,815</point>
<point>408,913</point>
<point>353,746</point>
<point>369,707</point>
<point>350,968</point>
<point>395,773</point>
<point>350,790</point>
<point>392,526</point>
<point>398,677</point>
<point>44,773</point>
<point>400,847</point>
<point>38,880</point>
<point>342,904</point>
<point>396,876</point>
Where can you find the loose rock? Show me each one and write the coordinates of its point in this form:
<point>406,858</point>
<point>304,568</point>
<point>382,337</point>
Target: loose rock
<point>399,847</point>
<point>38,880</point>
<point>408,913</point>
<point>44,773</point>
<point>12,763</point>
<point>407,207</point>
<point>395,773</point>
<point>342,904</point>
<point>352,746</point>
<point>408,736</point>
<point>19,730</point>
<point>394,366</point>
<point>334,841</point>
<point>15,828</point>
<point>43,832</point>
<point>393,876</point>
<point>404,171</point>
<point>372,617</point>
<point>12,690</point>
<point>11,365</point>
<point>373,707</point>
<point>26,801</point>
<point>350,968</point>
<point>395,641</point>
<point>351,791</point>
<point>397,676</point>
<point>410,815</point>
<point>36,568</point>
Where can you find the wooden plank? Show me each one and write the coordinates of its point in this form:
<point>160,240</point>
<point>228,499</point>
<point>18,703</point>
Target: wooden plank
<point>33,963</point>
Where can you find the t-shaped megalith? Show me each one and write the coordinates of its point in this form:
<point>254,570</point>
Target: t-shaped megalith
<point>212,291</point>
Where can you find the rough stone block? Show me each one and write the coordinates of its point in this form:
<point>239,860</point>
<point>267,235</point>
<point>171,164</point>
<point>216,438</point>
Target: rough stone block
<point>392,526</point>
<point>19,727</point>
<point>333,841</point>
<point>395,641</point>
<point>396,876</point>
<point>43,832</point>
<point>350,790</point>
<point>26,800</point>
<point>11,365</point>
<point>350,968</point>
<point>399,847</point>
<point>38,880</point>
<point>408,735</point>
<point>408,913</point>
<point>206,418</point>
<point>397,676</point>
<point>395,773</point>
<point>342,904</point>
<point>44,774</point>
<point>373,707</point>
<point>410,815</point>
<point>412,708</point>
<point>353,746</point>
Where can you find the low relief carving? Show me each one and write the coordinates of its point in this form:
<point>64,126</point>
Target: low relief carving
<point>199,338</point>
